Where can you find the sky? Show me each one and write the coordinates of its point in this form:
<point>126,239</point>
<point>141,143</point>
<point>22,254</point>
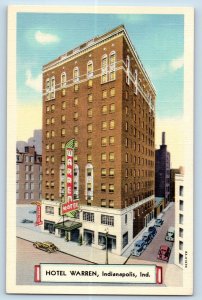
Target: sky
<point>158,40</point>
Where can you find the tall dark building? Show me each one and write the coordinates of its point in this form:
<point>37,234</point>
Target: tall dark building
<point>162,171</point>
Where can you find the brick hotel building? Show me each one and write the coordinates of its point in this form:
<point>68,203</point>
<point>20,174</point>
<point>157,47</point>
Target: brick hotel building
<point>99,94</point>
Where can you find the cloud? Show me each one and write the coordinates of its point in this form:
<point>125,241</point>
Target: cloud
<point>45,38</point>
<point>164,69</point>
<point>176,64</point>
<point>175,138</point>
<point>29,117</point>
<point>33,83</point>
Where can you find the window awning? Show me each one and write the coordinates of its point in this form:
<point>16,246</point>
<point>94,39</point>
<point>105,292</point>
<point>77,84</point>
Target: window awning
<point>68,225</point>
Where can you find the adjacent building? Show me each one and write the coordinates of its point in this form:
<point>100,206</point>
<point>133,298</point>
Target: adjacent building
<point>35,140</point>
<point>28,175</point>
<point>162,171</point>
<point>179,220</point>
<point>100,95</point>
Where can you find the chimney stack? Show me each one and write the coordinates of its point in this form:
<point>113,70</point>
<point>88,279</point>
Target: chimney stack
<point>163,138</point>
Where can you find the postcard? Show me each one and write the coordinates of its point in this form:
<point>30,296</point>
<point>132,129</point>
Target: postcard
<point>100,150</point>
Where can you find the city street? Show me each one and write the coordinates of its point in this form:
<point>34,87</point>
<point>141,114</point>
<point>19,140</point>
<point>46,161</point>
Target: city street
<point>151,252</point>
<point>28,257</point>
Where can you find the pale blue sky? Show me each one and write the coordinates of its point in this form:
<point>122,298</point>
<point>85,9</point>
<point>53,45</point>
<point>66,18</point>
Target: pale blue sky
<point>158,39</point>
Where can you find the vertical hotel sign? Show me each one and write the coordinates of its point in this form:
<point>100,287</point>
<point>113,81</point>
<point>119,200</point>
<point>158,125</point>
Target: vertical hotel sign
<point>70,204</point>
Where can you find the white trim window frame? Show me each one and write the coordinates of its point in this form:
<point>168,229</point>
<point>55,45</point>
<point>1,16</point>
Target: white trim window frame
<point>48,90</point>
<point>89,181</point>
<point>76,74</point>
<point>112,65</point>
<point>63,79</point>
<point>136,82</point>
<point>76,181</point>
<point>104,69</point>
<point>52,86</point>
<point>90,69</point>
<point>127,70</point>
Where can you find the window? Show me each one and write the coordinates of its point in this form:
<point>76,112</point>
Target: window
<point>89,157</point>
<point>90,127</point>
<point>76,115</point>
<point>104,109</point>
<point>104,125</point>
<point>76,129</point>
<point>136,81</point>
<point>47,147</point>
<point>75,158</point>
<point>104,141</point>
<point>111,203</point>
<point>63,131</point>
<point>76,101</point>
<point>87,216</point>
<point>112,108</point>
<point>181,232</point>
<point>47,108</point>
<point>126,126</point>
<point>112,61</point>
<point>112,92</point>
<point>126,157</point>
<point>76,144</point>
<point>103,172</point>
<point>126,218</point>
<point>104,68</point>
<point>111,156</point>
<point>52,87</point>
<point>111,188</point>
<point>47,158</point>
<point>126,173</point>
<point>181,190</point>
<point>26,196</point>
<point>52,159</point>
<point>127,69</point>
<point>111,140</point>
<point>90,83</point>
<point>90,69</point>
<point>52,146</point>
<point>89,143</point>
<point>52,171</point>
<point>107,220</point>
<point>63,79</point>
<point>52,197</point>
<point>181,259</point>
<point>103,202</point>
<point>52,133</point>
<point>111,124</point>
<point>103,156</point>
<point>52,107</point>
<point>111,172</point>
<point>49,210</point>
<point>126,188</point>
<point>76,87</point>
<point>76,74</point>
<point>181,219</point>
<point>181,205</point>
<point>90,112</point>
<point>104,94</point>
<point>47,134</point>
<point>63,118</point>
<point>180,245</point>
<point>63,105</point>
<point>103,187</point>
<point>126,142</point>
<point>47,121</point>
<point>90,98</point>
<point>125,239</point>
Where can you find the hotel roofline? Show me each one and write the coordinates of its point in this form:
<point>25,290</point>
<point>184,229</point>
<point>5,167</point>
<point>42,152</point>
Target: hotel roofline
<point>94,42</point>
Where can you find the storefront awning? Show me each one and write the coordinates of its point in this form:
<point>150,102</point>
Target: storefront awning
<point>68,225</point>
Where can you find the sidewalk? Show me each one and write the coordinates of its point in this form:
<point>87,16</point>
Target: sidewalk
<point>84,252</point>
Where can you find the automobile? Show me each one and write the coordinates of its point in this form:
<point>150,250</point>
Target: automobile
<point>26,221</point>
<point>46,246</point>
<point>152,230</point>
<point>158,222</point>
<point>164,253</point>
<point>170,235</point>
<point>139,247</point>
<point>147,237</point>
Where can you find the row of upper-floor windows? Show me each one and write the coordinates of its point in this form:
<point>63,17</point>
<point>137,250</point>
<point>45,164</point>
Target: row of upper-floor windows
<point>28,186</point>
<point>107,66</point>
<point>28,196</point>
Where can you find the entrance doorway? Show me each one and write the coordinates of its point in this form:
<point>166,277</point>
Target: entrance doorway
<point>75,235</point>
<point>88,236</point>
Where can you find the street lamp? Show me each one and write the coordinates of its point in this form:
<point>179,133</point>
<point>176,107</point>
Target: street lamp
<point>106,239</point>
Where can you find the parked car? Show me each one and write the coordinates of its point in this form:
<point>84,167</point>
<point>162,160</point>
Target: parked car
<point>164,253</point>
<point>159,222</point>
<point>147,237</point>
<point>170,235</point>
<point>139,247</point>
<point>26,221</point>
<point>152,230</point>
<point>46,246</point>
